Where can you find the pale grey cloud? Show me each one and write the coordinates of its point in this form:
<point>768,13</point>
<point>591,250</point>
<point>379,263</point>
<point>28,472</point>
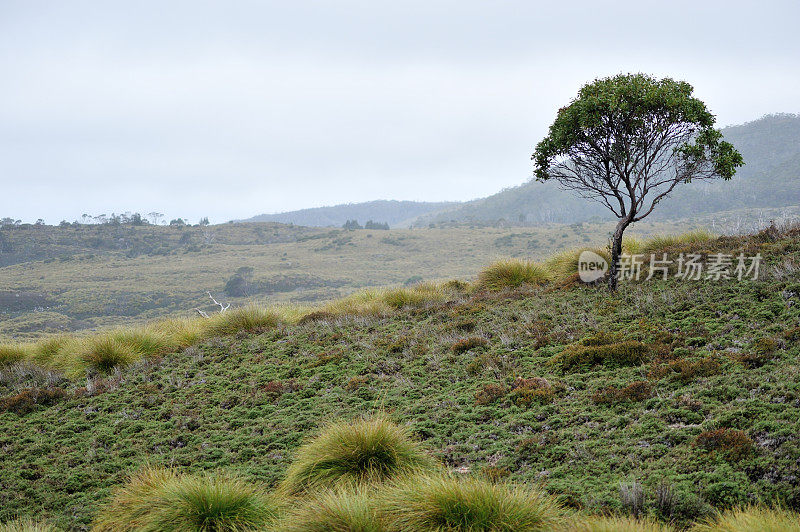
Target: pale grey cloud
<point>229,109</point>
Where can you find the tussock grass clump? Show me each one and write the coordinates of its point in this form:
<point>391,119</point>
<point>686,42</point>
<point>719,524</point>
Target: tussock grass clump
<point>418,295</point>
<point>752,519</point>
<point>10,353</point>
<point>131,505</point>
<point>383,302</point>
<point>364,303</point>
<point>512,273</point>
<point>182,332</point>
<point>26,525</point>
<point>145,343</point>
<point>359,453</point>
<point>103,353</point>
<point>445,503</point>
<point>616,524</point>
<point>354,510</point>
<point>564,265</point>
<point>50,350</point>
<point>663,242</point>
<point>158,499</point>
<point>248,319</point>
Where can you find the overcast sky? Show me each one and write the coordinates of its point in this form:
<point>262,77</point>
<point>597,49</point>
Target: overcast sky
<point>233,108</point>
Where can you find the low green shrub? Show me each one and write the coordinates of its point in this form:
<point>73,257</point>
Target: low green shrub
<point>489,393</point>
<point>512,273</point>
<point>534,390</point>
<point>29,399</point>
<point>634,392</point>
<point>627,353</point>
<point>467,344</point>
<point>438,503</point>
<point>350,454</point>
<point>685,371</point>
<point>733,444</point>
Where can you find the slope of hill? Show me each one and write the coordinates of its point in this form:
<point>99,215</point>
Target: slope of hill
<point>770,178</point>
<point>685,392</point>
<point>58,279</point>
<point>395,213</point>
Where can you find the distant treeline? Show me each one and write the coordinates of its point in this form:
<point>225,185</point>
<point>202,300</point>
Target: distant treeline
<point>127,218</point>
<point>353,224</point>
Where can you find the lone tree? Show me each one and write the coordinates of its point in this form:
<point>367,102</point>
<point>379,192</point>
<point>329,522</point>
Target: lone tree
<point>627,141</point>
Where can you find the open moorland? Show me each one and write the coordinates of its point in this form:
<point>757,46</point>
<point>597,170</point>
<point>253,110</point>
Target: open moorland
<point>669,401</point>
<point>59,279</point>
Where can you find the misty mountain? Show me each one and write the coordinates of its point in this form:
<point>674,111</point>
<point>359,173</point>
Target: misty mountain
<point>395,213</point>
<point>770,178</point>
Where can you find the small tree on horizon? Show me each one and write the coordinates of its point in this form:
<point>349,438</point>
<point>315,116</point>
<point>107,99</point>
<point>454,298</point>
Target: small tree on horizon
<point>627,141</point>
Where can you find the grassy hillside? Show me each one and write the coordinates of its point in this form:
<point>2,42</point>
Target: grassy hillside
<point>770,179</point>
<point>56,279</point>
<point>670,399</point>
<point>395,213</point>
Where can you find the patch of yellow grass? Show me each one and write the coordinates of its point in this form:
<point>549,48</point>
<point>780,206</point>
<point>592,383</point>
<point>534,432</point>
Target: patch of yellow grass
<point>512,273</point>
<point>663,242</point>
<point>565,264</point>
<point>10,353</point>
<point>616,524</point>
<point>752,519</point>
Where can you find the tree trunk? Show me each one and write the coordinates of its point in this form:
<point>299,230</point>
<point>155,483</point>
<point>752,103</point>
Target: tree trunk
<point>616,251</point>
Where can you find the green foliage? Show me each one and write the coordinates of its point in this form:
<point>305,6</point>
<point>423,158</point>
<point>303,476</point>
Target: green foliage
<point>626,108</point>
<point>590,353</point>
<point>156,500</point>
<point>437,503</point>
<point>29,399</point>
<point>344,454</point>
<point>245,403</point>
<point>512,274</point>
<point>733,444</point>
<point>468,344</point>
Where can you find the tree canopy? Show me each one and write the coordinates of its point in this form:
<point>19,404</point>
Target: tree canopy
<point>627,141</point>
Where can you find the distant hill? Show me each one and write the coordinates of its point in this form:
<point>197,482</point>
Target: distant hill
<point>395,213</point>
<point>771,178</point>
